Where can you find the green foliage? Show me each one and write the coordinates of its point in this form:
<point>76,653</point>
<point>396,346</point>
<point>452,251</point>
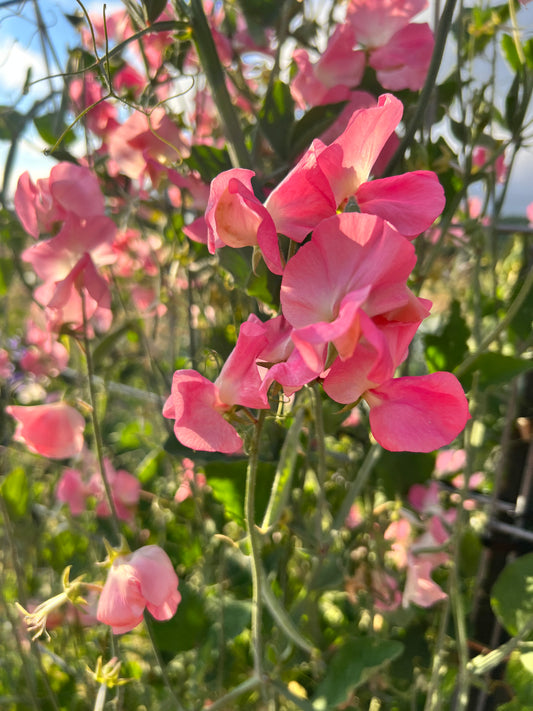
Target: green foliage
<point>15,491</point>
<point>495,368</point>
<point>512,595</point>
<point>276,117</point>
<point>352,664</point>
<point>208,161</point>
<point>311,125</point>
<point>446,350</point>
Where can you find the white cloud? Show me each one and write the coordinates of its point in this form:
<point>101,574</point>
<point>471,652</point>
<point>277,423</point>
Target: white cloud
<point>15,60</point>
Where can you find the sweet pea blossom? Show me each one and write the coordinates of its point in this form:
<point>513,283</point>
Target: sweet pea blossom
<point>144,579</point>
<point>198,406</point>
<point>399,51</point>
<point>70,189</point>
<point>54,430</point>
<point>323,180</point>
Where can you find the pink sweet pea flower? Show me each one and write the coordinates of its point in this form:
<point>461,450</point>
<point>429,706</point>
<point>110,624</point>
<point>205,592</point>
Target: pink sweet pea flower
<point>143,143</point>
<point>322,181</point>
<point>235,217</point>
<point>417,413</point>
<point>125,490</point>
<point>81,295</point>
<point>376,21</point>
<point>44,355</point>
<point>198,406</point>
<point>359,267</point>
<point>70,188</point>
<point>188,477</point>
<point>53,430</point>
<point>339,67</point>
<point>404,61</point>
<point>481,157</point>
<point>72,490</point>
<point>6,367</point>
<point>142,579</point>
<point>420,588</point>
<point>85,91</point>
<point>449,461</point>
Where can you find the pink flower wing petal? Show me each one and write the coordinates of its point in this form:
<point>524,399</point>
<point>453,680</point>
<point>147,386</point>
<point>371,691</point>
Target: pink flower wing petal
<point>418,413</point>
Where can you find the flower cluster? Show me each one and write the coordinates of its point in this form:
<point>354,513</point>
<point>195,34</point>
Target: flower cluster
<point>347,315</point>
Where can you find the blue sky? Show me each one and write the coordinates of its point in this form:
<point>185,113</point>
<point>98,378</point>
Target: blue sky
<point>20,48</point>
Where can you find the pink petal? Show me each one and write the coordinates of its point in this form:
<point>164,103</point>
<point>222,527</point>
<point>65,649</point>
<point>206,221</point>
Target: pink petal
<point>404,61</point>
<point>348,161</point>
<point>121,603</point>
<point>156,574</point>
<point>418,413</point>
<point>195,404</point>
<point>303,198</point>
<point>53,430</point>
<point>410,202</point>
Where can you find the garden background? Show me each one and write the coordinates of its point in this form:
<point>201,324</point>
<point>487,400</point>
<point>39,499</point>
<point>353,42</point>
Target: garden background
<point>265,358</point>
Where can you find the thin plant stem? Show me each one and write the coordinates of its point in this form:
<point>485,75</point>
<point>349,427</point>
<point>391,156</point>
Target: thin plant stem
<point>214,71</point>
<point>96,423</point>
<point>357,484</point>
<point>433,698</point>
<point>505,321</point>
<point>255,546</point>
<point>321,452</point>
<point>431,78</point>
<point>166,680</point>
<point>249,685</point>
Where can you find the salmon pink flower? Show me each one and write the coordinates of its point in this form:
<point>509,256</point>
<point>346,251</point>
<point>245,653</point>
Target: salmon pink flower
<point>418,413</point>
<point>198,406</point>
<point>53,430</point>
<point>70,189</point>
<point>144,579</point>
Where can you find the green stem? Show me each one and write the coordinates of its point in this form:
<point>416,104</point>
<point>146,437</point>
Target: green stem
<point>433,698</point>
<point>246,686</point>
<point>357,485</point>
<point>506,320</point>
<point>255,545</point>
<point>441,39</point>
<point>214,71</point>
<point>321,452</point>
<point>96,423</point>
<point>166,680</point>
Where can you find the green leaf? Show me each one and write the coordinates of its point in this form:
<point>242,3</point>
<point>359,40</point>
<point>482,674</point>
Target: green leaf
<point>262,13</point>
<point>353,664</point>
<point>50,129</point>
<point>276,117</point>
<point>311,125</point>
<point>228,482</point>
<point>512,594</point>
<point>153,9</point>
<point>446,350</point>
<point>511,105</point>
<point>510,53</point>
<point>149,466</point>
<point>15,491</point>
<point>520,679</point>
<point>234,615</point>
<point>263,285</point>
<point>111,339</point>
<point>398,471</point>
<point>11,123</point>
<point>496,369</point>
<point>187,628</point>
<point>6,273</point>
<point>208,161</point>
